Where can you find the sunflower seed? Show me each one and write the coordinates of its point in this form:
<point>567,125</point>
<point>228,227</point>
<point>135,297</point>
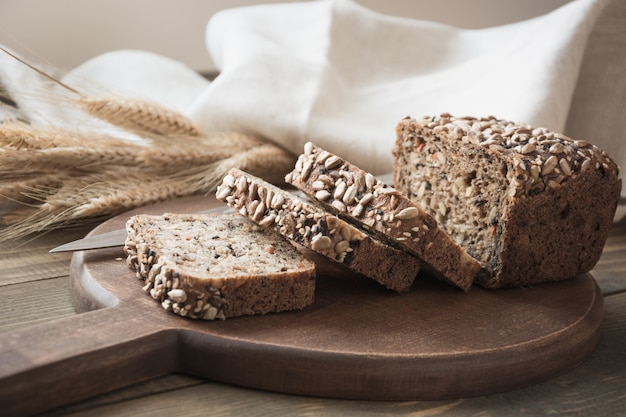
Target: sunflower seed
<point>322,195</point>
<point>350,194</point>
<point>340,190</point>
<point>306,170</point>
<point>332,162</point>
<point>318,185</point>
<point>322,157</point>
<point>565,168</point>
<point>338,205</point>
<point>408,213</point>
<point>320,242</point>
<point>549,165</point>
<point>177,295</point>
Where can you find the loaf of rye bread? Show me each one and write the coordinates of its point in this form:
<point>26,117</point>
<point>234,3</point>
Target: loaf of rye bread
<point>359,197</point>
<point>312,227</point>
<point>215,266</point>
<point>530,204</point>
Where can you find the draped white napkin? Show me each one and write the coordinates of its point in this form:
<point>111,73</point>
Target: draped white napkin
<point>342,76</point>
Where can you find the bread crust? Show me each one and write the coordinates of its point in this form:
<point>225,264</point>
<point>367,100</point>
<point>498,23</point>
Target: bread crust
<point>216,266</point>
<point>314,228</point>
<point>530,204</point>
<point>359,197</point>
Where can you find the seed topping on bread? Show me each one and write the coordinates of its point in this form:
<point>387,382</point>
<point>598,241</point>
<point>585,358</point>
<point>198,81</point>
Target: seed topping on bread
<point>542,159</point>
<point>313,227</point>
<point>359,197</point>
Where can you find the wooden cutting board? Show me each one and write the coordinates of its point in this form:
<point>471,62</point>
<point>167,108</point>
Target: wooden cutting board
<point>357,341</point>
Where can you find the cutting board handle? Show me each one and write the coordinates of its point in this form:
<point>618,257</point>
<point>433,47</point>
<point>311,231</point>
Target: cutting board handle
<point>76,357</point>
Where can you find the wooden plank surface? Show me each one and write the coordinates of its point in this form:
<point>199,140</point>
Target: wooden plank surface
<point>28,260</point>
<point>597,387</point>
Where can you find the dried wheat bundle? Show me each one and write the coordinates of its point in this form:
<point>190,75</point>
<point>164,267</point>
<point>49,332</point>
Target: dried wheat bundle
<point>76,185</point>
<point>266,160</point>
<point>60,176</point>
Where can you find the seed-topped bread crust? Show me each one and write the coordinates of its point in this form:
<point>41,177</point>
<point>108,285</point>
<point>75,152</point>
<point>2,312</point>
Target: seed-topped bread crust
<point>313,227</point>
<point>215,266</point>
<point>359,197</point>
<point>530,204</point>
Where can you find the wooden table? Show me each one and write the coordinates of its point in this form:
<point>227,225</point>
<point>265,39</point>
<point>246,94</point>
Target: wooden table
<point>34,285</point>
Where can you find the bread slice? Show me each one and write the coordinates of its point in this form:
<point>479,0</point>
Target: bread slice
<point>215,266</point>
<point>530,204</point>
<point>359,197</point>
<point>314,228</point>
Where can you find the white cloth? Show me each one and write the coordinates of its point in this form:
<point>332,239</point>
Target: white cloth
<point>343,76</point>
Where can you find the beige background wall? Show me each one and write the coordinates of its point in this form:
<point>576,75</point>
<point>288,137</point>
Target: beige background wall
<point>65,33</point>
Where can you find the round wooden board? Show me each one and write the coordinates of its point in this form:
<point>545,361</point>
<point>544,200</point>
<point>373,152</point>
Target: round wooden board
<point>357,341</point>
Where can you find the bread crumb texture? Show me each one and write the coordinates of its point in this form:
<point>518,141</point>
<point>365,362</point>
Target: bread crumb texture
<point>311,226</point>
<point>362,199</point>
<point>530,204</point>
<point>215,266</point>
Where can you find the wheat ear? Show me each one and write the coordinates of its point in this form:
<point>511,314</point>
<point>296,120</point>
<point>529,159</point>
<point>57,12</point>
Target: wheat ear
<point>29,148</point>
<point>140,116</point>
<point>28,190</point>
<point>23,136</point>
<point>187,151</point>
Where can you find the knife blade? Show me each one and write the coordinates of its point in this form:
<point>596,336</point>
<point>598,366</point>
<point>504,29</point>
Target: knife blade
<point>103,240</point>
<point>113,238</point>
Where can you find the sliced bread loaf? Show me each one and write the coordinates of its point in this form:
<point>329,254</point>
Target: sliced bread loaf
<point>359,197</point>
<point>530,204</point>
<point>210,266</point>
<point>313,227</point>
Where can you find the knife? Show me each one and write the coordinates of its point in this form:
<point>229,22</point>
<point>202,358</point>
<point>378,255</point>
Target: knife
<point>112,239</point>
<point>104,240</point>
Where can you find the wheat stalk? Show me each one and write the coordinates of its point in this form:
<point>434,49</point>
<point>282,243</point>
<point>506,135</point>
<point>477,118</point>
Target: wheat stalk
<point>80,201</point>
<point>27,147</point>
<point>110,194</point>
<point>20,190</point>
<point>266,160</point>
<point>53,159</point>
<point>140,116</point>
<point>23,136</point>
<point>185,152</point>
